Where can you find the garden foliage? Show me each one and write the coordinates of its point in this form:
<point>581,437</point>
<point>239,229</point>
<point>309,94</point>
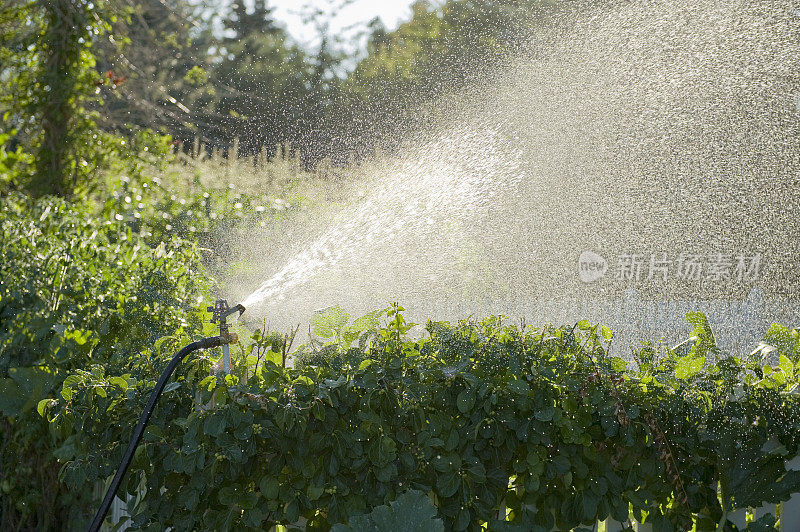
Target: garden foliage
<point>475,423</point>
<point>514,427</point>
<point>77,293</point>
<point>97,287</point>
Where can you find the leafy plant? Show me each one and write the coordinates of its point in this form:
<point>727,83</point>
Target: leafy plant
<point>80,298</point>
<point>411,511</point>
<point>331,323</point>
<point>498,426</point>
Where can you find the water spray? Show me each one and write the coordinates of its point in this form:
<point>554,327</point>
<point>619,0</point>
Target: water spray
<point>219,314</point>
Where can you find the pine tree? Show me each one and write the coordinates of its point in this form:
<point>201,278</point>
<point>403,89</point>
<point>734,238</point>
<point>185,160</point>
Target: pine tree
<point>264,82</point>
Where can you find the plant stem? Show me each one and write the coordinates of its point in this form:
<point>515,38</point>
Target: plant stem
<point>723,503</point>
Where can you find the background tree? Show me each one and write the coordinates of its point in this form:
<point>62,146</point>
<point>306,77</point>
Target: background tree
<point>261,82</point>
<point>48,88</point>
<point>323,110</point>
<point>95,74</point>
<point>157,59</point>
<point>18,36</point>
<point>440,50</point>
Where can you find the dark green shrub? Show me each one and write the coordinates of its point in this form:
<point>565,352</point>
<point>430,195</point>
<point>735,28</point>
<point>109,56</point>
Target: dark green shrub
<point>523,429</point>
<point>90,287</point>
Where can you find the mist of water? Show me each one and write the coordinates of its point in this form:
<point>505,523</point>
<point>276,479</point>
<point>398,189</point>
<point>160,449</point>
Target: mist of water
<point>652,128</point>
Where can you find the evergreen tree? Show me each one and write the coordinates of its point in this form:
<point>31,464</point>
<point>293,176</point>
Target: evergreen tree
<point>262,81</point>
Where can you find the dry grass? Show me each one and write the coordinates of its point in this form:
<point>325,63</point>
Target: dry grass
<point>280,177</point>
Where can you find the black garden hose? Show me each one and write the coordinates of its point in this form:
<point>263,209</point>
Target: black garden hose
<point>205,343</point>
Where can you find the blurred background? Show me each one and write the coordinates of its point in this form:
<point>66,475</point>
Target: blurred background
<point>329,77</point>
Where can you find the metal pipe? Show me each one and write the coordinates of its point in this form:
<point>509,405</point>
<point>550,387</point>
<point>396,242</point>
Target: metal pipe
<point>219,314</point>
<point>226,359</point>
<point>204,343</point>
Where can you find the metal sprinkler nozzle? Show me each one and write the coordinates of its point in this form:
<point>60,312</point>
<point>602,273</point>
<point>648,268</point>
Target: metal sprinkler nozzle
<point>219,314</point>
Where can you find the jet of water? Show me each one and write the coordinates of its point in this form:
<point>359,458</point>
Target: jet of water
<point>652,129</point>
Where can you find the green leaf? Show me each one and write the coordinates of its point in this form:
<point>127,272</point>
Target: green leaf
<point>361,325</point>
<point>269,487</point>
<point>465,401</point>
<point>209,382</point>
<point>702,331</point>
<point>519,387</point>
<point>292,511</point>
<point>327,322</point>
<point>781,338</point>
<point>689,366</point>
<point>67,389</point>
<point>447,484</point>
<point>119,381</point>
<point>314,492</point>
<point>44,404</point>
<point>589,502</point>
<point>545,414</point>
<point>786,366</point>
<point>561,463</point>
<point>462,519</point>
<point>214,424</point>
<point>619,365</point>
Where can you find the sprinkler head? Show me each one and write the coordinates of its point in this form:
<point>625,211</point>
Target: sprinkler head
<point>221,310</point>
<point>219,314</point>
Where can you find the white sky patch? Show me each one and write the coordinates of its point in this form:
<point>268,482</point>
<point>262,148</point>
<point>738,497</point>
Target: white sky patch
<point>345,24</point>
